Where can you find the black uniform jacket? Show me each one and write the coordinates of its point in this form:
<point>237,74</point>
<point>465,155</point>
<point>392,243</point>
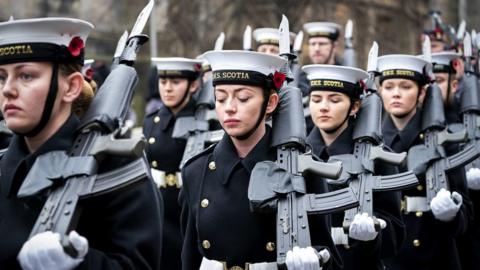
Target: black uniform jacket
<point>430,243</point>
<point>386,205</point>
<point>165,153</point>
<point>217,222</point>
<point>123,228</point>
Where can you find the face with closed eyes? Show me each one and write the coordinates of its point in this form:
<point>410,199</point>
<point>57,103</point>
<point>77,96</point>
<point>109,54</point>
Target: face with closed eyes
<point>238,107</point>
<point>329,109</point>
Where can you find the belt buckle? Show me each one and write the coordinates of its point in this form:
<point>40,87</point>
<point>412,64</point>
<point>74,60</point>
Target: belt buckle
<point>235,267</point>
<point>171,180</point>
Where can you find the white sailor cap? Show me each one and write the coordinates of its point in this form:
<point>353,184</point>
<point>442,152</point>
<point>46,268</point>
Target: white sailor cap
<point>269,36</point>
<point>443,62</point>
<point>87,69</point>
<point>347,80</point>
<point>59,40</point>
<point>322,29</point>
<point>205,65</point>
<point>177,67</point>
<point>246,68</point>
<point>402,66</point>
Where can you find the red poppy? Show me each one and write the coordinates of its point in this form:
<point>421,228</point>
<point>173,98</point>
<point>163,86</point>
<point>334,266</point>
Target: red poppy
<point>89,74</point>
<point>278,79</point>
<point>76,45</point>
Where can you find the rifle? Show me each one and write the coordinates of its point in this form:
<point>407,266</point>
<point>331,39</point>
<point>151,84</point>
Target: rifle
<point>431,158</point>
<point>470,99</point>
<point>195,129</point>
<point>73,176</point>
<point>293,204</point>
<point>359,167</point>
<point>349,55</point>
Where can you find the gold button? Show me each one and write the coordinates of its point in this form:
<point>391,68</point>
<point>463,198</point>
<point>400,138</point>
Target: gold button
<point>346,246</point>
<point>151,140</point>
<point>206,244</point>
<point>204,203</point>
<point>156,119</point>
<point>416,242</point>
<point>419,187</point>
<point>270,246</point>
<point>422,136</point>
<point>419,214</point>
<point>212,166</point>
<point>154,164</point>
<point>171,179</point>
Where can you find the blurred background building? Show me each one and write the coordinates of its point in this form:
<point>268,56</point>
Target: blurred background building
<point>189,27</point>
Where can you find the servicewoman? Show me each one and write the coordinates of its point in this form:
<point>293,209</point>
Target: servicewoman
<point>334,106</point>
<point>177,81</point>
<point>40,80</point>
<point>220,231</point>
<point>431,228</point>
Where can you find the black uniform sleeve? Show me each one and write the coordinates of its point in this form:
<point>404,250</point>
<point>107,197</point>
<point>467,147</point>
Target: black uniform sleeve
<point>191,257</point>
<point>124,229</point>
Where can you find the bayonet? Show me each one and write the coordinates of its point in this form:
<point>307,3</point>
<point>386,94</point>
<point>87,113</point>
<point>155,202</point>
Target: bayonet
<point>142,19</point>
<point>372,67</point>
<point>461,30</point>
<point>349,30</point>
<point>467,46</point>
<point>247,38</point>
<point>349,57</point>
<point>284,41</point>
<point>297,45</point>
<point>219,42</point>
<point>122,42</point>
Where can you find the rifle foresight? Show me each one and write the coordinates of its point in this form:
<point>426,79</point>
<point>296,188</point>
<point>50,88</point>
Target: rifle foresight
<point>129,54</point>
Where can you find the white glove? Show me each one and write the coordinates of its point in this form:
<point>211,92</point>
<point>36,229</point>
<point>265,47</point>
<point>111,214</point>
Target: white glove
<point>363,228</point>
<point>445,205</point>
<point>473,178</point>
<point>44,252</point>
<point>306,258</point>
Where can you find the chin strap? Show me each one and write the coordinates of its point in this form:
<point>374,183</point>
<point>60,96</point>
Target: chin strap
<point>48,106</point>
<point>246,135</point>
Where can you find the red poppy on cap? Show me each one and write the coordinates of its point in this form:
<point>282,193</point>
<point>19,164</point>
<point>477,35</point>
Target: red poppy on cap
<point>278,79</point>
<point>76,45</point>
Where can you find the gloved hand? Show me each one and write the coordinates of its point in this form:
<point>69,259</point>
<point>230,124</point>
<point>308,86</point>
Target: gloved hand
<point>473,178</point>
<point>363,228</point>
<point>44,252</point>
<point>306,258</point>
<point>445,205</point>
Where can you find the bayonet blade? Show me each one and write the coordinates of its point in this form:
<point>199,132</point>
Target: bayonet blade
<point>373,58</point>
<point>467,46</point>
<point>297,45</point>
<point>122,42</point>
<point>11,18</point>
<point>284,33</point>
<point>461,30</point>
<point>247,38</point>
<point>427,49</point>
<point>349,30</point>
<point>219,42</point>
<point>142,19</point>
